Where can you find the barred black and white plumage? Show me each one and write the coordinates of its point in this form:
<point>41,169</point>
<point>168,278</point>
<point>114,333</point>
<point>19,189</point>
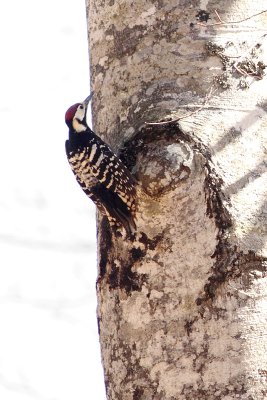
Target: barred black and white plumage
<point>100,173</point>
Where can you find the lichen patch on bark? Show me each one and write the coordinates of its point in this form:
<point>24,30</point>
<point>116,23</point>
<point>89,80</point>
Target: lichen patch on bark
<point>182,309</point>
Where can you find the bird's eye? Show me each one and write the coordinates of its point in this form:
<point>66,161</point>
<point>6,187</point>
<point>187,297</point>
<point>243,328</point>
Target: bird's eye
<point>81,107</point>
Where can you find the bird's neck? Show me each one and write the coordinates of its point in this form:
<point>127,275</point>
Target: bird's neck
<point>80,138</point>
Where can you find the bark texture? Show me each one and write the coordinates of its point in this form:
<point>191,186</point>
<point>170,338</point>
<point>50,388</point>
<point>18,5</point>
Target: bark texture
<point>183,305</point>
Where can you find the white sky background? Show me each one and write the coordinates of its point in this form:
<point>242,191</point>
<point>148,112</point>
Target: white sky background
<point>48,332</point>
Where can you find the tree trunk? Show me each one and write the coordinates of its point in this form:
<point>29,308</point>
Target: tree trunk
<point>182,306</point>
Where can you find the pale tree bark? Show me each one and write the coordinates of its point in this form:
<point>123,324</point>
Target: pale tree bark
<point>183,306</point>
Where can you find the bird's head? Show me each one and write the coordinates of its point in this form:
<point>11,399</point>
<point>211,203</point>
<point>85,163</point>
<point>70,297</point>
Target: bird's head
<point>75,116</point>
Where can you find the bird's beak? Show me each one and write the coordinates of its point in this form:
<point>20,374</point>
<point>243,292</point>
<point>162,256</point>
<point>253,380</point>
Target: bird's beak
<point>88,99</point>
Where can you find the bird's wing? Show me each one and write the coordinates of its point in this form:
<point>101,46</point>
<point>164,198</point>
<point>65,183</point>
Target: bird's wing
<point>110,171</point>
<point>108,185</point>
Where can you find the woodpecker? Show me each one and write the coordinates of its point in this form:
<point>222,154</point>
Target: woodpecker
<point>100,173</point>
